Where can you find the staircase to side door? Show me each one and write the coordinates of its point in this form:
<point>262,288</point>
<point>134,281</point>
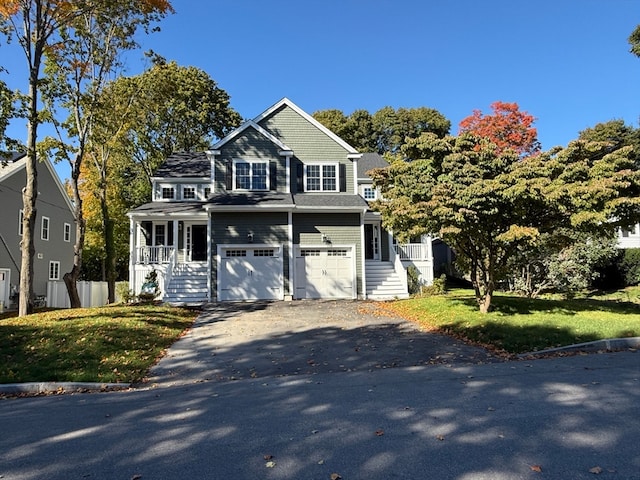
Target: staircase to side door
<point>383,282</point>
<point>188,284</point>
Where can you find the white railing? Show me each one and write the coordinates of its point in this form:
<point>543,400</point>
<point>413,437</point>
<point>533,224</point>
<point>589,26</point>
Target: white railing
<point>412,251</point>
<point>170,268</point>
<point>152,255</point>
<point>399,268</point>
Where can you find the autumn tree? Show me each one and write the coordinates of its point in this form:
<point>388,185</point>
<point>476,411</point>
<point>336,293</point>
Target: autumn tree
<point>634,41</point>
<point>143,120</point>
<point>35,24</point>
<point>488,204</point>
<point>507,127</point>
<point>77,70</point>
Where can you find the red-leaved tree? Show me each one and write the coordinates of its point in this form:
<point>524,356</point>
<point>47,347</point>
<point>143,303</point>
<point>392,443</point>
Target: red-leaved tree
<point>507,128</point>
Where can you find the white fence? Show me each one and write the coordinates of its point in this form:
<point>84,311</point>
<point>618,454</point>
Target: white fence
<point>92,294</point>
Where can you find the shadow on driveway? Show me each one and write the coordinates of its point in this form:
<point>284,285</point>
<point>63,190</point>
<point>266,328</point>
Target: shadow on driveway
<point>233,341</point>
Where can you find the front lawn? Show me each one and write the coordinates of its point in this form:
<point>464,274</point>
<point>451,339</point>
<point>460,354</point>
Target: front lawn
<point>107,345</point>
<point>519,325</point>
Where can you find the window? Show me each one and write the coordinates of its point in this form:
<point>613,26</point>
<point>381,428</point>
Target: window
<point>207,192</point>
<point>309,253</point>
<point>20,225</point>
<point>321,178</point>
<point>188,193</point>
<point>251,175</point>
<point>235,253</point>
<point>168,193</point>
<point>160,234</point>
<point>369,193</point>
<point>267,252</point>
<point>54,270</point>
<point>67,232</point>
<point>44,231</point>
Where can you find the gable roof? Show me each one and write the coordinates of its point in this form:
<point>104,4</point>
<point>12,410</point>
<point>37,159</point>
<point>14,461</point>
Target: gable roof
<point>369,161</point>
<point>309,118</point>
<point>258,128</point>
<point>17,161</point>
<point>185,165</point>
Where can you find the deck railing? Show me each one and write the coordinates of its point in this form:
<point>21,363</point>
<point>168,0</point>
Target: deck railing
<point>412,251</point>
<point>152,255</point>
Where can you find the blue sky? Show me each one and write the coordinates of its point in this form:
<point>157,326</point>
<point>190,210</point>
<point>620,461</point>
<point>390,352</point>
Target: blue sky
<point>566,62</point>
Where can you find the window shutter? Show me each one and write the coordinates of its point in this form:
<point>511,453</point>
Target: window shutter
<point>229,175</point>
<point>273,173</point>
<point>300,177</point>
<point>343,177</point>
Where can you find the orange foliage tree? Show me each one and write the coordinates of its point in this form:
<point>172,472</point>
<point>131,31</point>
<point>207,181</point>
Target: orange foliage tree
<point>507,128</point>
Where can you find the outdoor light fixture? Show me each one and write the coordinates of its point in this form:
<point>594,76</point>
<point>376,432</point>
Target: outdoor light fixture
<point>325,238</point>
<point>250,237</point>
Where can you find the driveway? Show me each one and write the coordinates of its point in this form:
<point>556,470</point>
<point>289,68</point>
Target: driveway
<point>232,341</point>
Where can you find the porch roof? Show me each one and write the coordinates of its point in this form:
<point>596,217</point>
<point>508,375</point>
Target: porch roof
<point>329,201</point>
<point>252,200</point>
<point>169,208</point>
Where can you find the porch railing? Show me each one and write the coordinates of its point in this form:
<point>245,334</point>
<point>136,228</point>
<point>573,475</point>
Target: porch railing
<point>412,251</point>
<point>150,255</point>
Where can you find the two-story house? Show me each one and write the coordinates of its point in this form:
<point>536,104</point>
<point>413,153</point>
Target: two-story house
<point>274,211</point>
<point>54,235</point>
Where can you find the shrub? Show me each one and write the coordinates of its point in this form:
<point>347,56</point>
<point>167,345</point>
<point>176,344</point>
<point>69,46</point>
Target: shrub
<point>438,287</point>
<point>123,293</point>
<point>413,280</point>
<point>630,266</point>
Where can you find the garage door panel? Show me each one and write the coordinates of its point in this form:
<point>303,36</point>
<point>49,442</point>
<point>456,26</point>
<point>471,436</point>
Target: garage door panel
<point>251,274</point>
<point>324,273</point>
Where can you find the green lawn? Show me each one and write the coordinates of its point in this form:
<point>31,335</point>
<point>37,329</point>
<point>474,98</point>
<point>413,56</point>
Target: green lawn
<point>519,325</point>
<point>109,344</point>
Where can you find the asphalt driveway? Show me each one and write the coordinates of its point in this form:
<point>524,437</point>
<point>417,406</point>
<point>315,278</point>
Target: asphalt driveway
<point>232,341</point>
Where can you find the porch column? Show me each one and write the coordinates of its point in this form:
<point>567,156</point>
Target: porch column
<point>132,251</point>
<point>175,240</point>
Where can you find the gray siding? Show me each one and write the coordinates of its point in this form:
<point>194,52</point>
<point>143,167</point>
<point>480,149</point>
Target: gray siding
<point>342,229</point>
<point>249,145</point>
<point>267,227</point>
<point>51,204</point>
<point>309,143</point>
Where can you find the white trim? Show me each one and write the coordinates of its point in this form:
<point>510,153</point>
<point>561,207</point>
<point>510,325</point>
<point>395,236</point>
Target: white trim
<point>258,128</point>
<point>292,275</point>
<point>56,270</point>
<point>21,222</point>
<point>287,167</point>
<point>309,118</point>
<point>67,226</point>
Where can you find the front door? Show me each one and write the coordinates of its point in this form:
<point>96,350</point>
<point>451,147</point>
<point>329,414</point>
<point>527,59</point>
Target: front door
<point>372,241</point>
<point>196,243</point>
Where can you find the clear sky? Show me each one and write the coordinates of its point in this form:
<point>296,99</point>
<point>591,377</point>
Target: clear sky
<point>566,62</point>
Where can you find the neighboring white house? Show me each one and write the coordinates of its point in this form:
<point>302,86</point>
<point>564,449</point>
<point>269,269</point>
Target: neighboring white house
<point>629,238</point>
<point>275,210</point>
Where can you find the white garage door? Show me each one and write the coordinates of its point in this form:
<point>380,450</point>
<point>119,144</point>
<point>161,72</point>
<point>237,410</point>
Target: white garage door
<point>325,273</point>
<point>253,273</point>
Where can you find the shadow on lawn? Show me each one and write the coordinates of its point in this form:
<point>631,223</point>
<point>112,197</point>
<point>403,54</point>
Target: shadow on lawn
<point>509,305</point>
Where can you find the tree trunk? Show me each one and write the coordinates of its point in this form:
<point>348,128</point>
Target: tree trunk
<point>71,278</point>
<point>110,261</point>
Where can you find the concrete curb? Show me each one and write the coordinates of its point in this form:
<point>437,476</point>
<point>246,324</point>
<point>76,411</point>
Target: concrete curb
<point>59,387</point>
<point>608,345</point>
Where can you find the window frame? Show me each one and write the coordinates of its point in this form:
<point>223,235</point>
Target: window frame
<point>45,231</point>
<point>323,177</point>
<point>21,223</point>
<point>190,186</point>
<point>166,187</point>
<point>252,164</point>
<point>54,270</point>
<point>67,232</point>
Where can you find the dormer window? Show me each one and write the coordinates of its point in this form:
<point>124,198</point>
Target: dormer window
<point>188,192</point>
<point>168,193</point>
<point>369,193</point>
<point>250,175</point>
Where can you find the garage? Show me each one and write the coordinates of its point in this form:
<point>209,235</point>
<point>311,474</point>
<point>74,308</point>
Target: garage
<point>250,273</point>
<point>325,272</point>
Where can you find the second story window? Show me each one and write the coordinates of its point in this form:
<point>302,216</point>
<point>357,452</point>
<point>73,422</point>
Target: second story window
<point>321,178</point>
<point>168,193</point>
<point>20,224</point>
<point>44,231</point>
<point>369,193</point>
<point>67,232</point>
<point>188,193</point>
<point>251,175</point>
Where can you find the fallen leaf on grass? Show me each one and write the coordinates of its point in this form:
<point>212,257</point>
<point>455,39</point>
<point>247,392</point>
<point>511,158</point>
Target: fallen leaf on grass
<point>270,464</point>
<point>535,468</point>
<point>595,470</point>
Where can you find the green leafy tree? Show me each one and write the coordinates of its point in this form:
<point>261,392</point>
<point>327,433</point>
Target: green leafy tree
<point>77,71</point>
<point>488,204</point>
<point>634,41</point>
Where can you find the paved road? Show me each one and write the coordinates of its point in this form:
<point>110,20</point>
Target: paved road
<point>544,419</point>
